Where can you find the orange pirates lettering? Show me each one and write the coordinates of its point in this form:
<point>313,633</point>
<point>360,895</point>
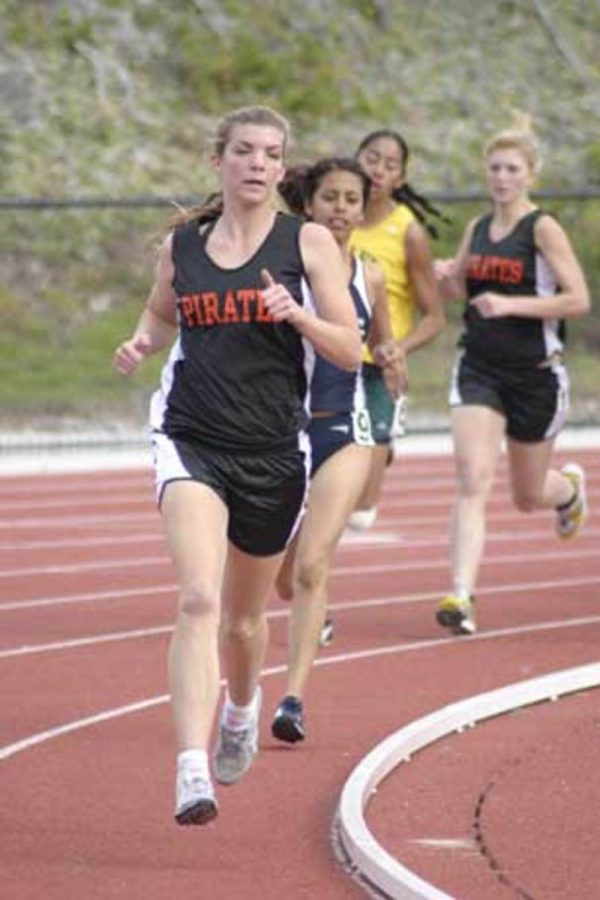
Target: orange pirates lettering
<point>495,268</point>
<point>208,308</point>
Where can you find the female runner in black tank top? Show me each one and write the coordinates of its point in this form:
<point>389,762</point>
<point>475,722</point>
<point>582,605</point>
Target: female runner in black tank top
<point>521,279</point>
<point>228,421</point>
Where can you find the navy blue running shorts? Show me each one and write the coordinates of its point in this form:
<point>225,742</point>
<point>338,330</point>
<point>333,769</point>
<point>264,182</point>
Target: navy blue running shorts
<point>328,434</point>
<point>533,401</point>
<point>265,493</point>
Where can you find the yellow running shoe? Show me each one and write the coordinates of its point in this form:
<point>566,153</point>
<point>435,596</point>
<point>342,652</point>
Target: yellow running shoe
<point>457,614</point>
<point>570,518</point>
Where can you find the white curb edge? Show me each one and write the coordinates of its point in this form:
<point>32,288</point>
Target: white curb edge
<point>368,858</point>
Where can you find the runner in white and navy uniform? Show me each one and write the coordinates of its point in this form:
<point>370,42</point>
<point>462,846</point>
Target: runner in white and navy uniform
<point>229,437</point>
<point>337,399</point>
<point>521,280</point>
<point>334,192</point>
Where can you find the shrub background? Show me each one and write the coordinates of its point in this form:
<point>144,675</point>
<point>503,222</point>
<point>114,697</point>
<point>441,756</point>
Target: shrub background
<point>119,98</point>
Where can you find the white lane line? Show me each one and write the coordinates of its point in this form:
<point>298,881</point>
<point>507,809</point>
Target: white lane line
<point>123,562</point>
<point>77,522</point>
<point>97,499</point>
<point>141,537</point>
<point>448,843</point>
<point>421,482</point>
<point>371,860</point>
<point>43,461</point>
<point>407,481</point>
<point>26,491</point>
<point>148,513</point>
<point>446,500</point>
<point>50,733</point>
<point>153,590</point>
<point>517,588</point>
<point>503,559</point>
<point>92,640</point>
<point>349,538</point>
<point>91,597</point>
<point>358,605</point>
<point>377,538</point>
<point>41,737</point>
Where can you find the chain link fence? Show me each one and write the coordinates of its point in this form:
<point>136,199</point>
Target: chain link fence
<point>74,275</point>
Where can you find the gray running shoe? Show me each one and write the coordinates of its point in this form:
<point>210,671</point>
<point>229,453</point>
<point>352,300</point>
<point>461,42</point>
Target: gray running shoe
<point>235,750</point>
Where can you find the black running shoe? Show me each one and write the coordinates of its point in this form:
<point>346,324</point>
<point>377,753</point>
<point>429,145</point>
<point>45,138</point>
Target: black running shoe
<point>288,723</point>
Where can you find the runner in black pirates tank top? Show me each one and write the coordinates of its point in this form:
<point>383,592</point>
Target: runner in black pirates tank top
<point>509,388</point>
<point>235,380</point>
<point>510,266</point>
<point>228,431</point>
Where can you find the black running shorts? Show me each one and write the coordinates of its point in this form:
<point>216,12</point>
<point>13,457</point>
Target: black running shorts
<point>533,401</point>
<point>264,493</point>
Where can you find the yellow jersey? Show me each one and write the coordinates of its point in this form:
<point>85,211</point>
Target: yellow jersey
<point>384,242</point>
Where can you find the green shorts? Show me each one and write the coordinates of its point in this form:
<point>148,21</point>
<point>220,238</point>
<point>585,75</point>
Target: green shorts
<point>380,403</point>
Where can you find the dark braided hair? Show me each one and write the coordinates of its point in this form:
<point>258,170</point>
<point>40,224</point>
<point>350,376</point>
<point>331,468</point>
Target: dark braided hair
<point>291,188</point>
<point>301,183</point>
<point>406,194</point>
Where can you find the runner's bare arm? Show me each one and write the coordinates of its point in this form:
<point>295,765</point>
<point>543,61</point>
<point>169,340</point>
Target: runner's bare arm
<point>333,332</point>
<point>157,324</point>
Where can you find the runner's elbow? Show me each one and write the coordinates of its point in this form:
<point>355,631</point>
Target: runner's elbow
<point>579,304</point>
<point>352,353</point>
<point>585,303</point>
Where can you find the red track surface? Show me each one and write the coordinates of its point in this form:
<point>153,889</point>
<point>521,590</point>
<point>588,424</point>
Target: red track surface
<point>86,605</point>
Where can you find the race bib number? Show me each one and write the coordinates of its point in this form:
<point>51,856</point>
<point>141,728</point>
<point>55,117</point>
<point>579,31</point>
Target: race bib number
<point>361,427</point>
<point>398,428</point>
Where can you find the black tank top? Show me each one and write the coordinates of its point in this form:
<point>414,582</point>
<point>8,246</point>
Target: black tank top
<point>512,266</point>
<point>234,379</point>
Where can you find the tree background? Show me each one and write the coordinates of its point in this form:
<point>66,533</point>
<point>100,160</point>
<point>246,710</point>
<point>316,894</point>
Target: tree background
<point>117,99</point>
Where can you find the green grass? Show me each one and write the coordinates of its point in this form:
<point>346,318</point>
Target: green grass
<point>78,280</point>
<point>117,99</point>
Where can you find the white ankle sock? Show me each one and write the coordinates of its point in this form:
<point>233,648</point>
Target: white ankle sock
<point>362,519</point>
<point>236,718</point>
<point>195,758</point>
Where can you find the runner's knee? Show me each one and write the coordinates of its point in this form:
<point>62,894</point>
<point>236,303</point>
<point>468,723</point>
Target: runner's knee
<point>242,628</point>
<point>311,574</point>
<point>198,599</point>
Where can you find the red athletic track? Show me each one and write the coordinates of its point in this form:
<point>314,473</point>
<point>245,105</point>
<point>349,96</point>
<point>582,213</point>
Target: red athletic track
<point>86,604</point>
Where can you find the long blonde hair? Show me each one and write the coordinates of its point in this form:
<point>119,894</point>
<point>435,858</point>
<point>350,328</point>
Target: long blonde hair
<point>212,207</point>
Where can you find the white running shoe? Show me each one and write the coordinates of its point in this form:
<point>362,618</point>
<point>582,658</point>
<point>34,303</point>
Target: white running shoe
<point>326,635</point>
<point>195,802</point>
<point>570,518</point>
<point>362,519</point>
<point>235,750</point>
